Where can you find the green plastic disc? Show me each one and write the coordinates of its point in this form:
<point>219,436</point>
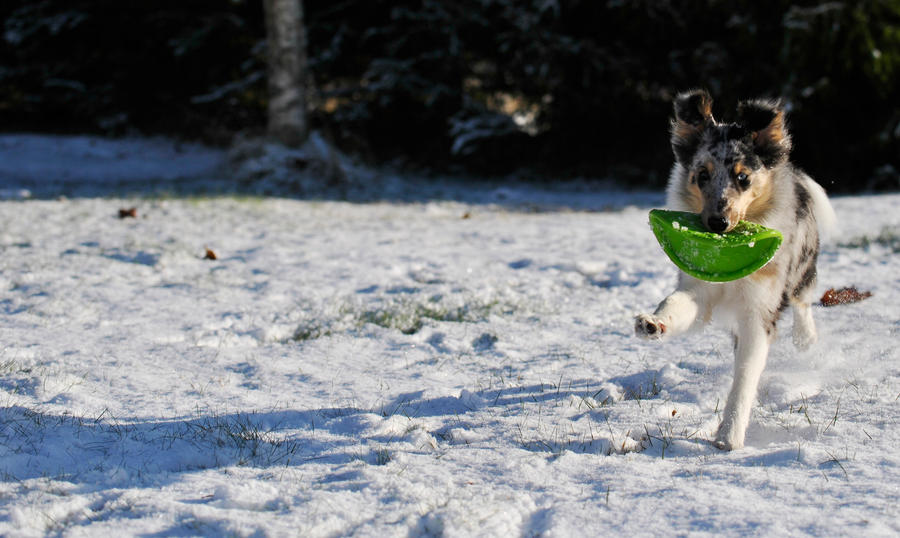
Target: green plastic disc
<point>711,256</point>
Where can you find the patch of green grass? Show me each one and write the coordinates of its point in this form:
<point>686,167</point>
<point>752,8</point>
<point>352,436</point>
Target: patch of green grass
<point>242,439</point>
<point>407,315</point>
<point>383,456</point>
<point>888,237</point>
<point>311,331</point>
<point>14,367</point>
<point>642,391</point>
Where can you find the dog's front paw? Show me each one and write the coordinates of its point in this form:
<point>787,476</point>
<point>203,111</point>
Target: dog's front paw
<point>646,326</point>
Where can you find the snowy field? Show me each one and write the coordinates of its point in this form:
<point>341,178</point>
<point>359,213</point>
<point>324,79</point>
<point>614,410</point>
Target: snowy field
<point>450,367</point>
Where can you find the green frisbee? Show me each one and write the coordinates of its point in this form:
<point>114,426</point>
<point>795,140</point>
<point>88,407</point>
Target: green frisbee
<point>710,256</point>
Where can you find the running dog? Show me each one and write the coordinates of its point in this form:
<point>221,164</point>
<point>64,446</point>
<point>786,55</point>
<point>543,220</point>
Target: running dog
<point>729,172</point>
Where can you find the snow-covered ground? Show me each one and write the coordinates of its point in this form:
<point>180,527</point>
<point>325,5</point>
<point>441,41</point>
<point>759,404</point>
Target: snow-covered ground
<point>459,368</point>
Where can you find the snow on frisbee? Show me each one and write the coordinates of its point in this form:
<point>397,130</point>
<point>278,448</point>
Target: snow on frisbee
<point>711,256</point>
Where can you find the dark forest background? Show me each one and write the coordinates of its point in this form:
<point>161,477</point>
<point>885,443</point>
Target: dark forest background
<point>543,88</point>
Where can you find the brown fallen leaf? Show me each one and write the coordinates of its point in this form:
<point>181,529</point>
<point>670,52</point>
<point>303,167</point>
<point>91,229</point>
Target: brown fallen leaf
<point>130,213</point>
<point>210,255</point>
<point>835,297</point>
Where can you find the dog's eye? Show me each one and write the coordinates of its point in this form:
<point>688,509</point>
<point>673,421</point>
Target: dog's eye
<point>743,180</point>
<point>702,177</point>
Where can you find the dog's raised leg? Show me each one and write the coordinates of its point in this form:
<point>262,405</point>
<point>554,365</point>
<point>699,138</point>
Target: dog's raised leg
<point>674,315</point>
<point>751,351</point>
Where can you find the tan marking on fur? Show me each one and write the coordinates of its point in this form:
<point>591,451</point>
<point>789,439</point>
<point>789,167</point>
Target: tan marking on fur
<point>706,106</point>
<point>763,192</point>
<point>774,132</point>
<point>684,130</point>
<point>693,197</point>
<point>766,272</point>
<point>735,211</point>
<point>739,167</point>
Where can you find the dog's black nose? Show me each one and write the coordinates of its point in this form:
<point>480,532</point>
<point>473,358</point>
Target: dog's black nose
<point>717,224</point>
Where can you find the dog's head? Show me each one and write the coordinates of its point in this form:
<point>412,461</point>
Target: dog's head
<point>728,166</point>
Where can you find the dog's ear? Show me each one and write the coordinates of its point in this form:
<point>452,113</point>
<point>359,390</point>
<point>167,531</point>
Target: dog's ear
<point>693,112</point>
<point>765,123</point>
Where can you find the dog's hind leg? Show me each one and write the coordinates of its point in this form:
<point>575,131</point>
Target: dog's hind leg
<point>804,330</point>
<point>751,351</point>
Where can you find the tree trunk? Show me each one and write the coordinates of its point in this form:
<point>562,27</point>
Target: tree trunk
<point>286,40</point>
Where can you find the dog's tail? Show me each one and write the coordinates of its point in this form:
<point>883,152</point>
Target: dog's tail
<point>825,217</point>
